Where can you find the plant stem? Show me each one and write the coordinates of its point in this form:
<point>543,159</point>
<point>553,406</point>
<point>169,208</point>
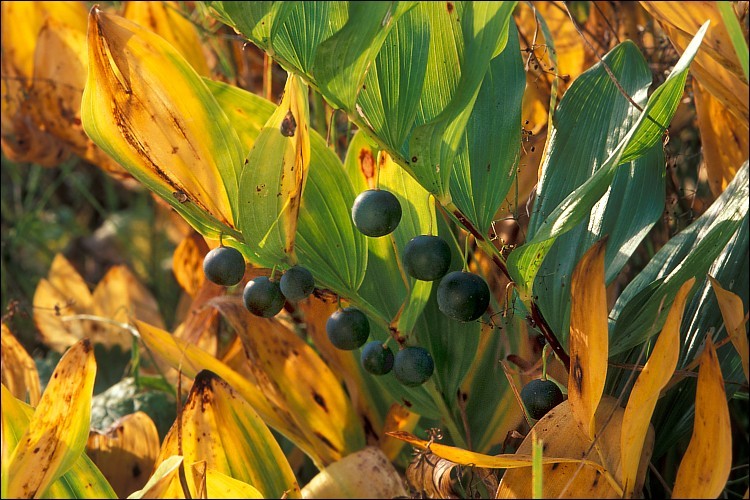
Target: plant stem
<point>450,422</point>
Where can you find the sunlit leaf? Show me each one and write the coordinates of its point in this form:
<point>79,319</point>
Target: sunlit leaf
<point>56,435</point>
<point>148,108</point>
<point>711,442</point>
<point>126,452</point>
<point>220,427</point>
<point>365,473</point>
<point>274,177</point>
<point>19,373</point>
<point>159,482</point>
<point>733,312</point>
<point>166,20</point>
<point>219,485</point>
<point>293,373</point>
<point>655,375</point>
<point>589,337</point>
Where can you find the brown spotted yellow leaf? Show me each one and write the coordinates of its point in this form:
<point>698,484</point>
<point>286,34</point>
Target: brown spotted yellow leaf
<point>19,373</point>
<point>589,337</point>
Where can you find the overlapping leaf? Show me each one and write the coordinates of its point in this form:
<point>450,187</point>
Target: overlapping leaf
<point>148,108</point>
<point>733,313</point>
<point>19,373</point>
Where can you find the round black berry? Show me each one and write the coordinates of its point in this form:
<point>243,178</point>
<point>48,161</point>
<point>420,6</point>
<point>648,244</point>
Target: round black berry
<point>540,396</point>
<point>376,358</point>
<point>297,283</point>
<point>348,328</point>
<point>413,366</point>
<point>427,257</point>
<point>463,296</point>
<point>224,266</point>
<point>263,297</point>
<point>376,212</point>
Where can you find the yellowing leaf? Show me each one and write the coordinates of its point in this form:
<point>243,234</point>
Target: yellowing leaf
<point>466,457</point>
<point>563,437</point>
<point>148,109</point>
<point>63,293</point>
<point>716,65</point>
<point>187,263</point>
<point>366,473</point>
<point>191,360</point>
<point>654,377</point>
<point>274,176</point>
<point>19,373</point>
<point>589,337</point>
<point>733,313</point>
<point>398,419</point>
<point>121,297</point>
<point>220,427</point>
<point>165,19</point>
<point>293,375</point>
<point>57,432</point>
<point>704,469</point>
<point>126,452</point>
<point>724,138</point>
<point>161,480</point>
<point>218,485</point>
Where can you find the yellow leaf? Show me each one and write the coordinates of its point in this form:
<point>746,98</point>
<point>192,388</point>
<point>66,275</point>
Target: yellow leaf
<point>187,263</point>
<point>733,313</point>
<point>191,360</point>
<point>19,373</point>
<point>161,480</point>
<point>147,108</point>
<point>294,376</point>
<point>63,293</point>
<point>220,427</point>
<point>57,432</point>
<point>364,474</point>
<point>724,138</point>
<point>474,459</point>
<point>165,19</point>
<point>218,485</point>
<point>589,337</point>
<point>716,65</point>
<point>125,452</point>
<point>398,419</point>
<point>121,297</point>
<point>562,437</point>
<point>711,442</point>
<point>654,377</point>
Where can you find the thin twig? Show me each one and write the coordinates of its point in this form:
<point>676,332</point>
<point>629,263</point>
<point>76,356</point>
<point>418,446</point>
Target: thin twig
<point>664,484</point>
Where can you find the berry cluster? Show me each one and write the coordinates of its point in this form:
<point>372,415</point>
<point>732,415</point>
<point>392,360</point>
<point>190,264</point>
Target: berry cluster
<point>263,297</point>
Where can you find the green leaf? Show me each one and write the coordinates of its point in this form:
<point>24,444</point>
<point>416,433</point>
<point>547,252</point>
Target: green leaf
<point>525,261</point>
<point>391,94</point>
<point>485,168</point>
<point>471,33</point>
<point>343,60</point>
<point>639,312</point>
<point>735,34</point>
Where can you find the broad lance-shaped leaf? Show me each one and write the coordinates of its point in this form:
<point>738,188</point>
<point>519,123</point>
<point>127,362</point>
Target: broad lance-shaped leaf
<point>711,442</point>
<point>733,313</point>
<point>274,176</point>
<point>220,427</point>
<point>57,432</point>
<point>589,337</point>
<point>83,479</point>
<point>655,375</point>
<point>525,261</point>
<point>434,145</point>
<point>147,108</point>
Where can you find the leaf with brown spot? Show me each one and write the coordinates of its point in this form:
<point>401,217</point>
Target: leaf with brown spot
<point>711,442</point>
<point>150,110</point>
<point>19,373</point>
<point>274,177</point>
<point>222,429</point>
<point>733,312</point>
<point>398,418</point>
<point>57,432</point>
<point>589,337</point>
<point>125,452</point>
<point>645,393</point>
<point>292,373</point>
